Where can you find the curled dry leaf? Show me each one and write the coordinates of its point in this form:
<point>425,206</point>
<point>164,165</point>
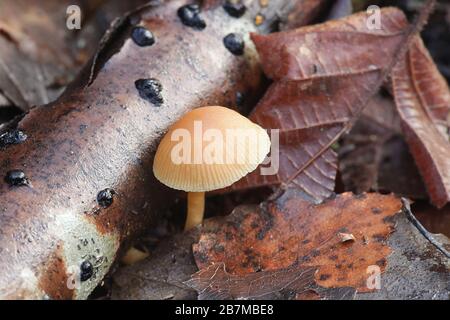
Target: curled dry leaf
<point>133,256</point>
<point>324,75</point>
<point>275,236</point>
<point>423,102</point>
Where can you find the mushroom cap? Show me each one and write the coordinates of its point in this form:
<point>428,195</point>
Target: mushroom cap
<point>209,148</point>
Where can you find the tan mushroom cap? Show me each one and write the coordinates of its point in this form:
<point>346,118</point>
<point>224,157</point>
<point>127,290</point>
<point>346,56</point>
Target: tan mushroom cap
<point>196,164</point>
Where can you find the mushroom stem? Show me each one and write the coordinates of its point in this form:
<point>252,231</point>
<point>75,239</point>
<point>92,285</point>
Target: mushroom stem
<point>196,207</point>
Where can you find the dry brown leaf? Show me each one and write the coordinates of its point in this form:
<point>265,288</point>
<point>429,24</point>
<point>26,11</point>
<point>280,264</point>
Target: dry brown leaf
<point>325,74</point>
<point>423,102</point>
<point>275,236</point>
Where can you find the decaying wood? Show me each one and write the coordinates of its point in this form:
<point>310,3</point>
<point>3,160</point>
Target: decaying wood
<point>101,135</point>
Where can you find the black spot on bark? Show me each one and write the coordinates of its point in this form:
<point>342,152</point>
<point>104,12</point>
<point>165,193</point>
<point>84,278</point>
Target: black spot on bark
<point>150,90</point>
<point>105,197</point>
<point>234,43</point>
<point>16,178</point>
<point>235,9</point>
<point>190,16</point>
<point>12,137</point>
<point>86,270</point>
<point>142,36</point>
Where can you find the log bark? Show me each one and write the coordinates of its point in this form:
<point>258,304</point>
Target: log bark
<point>57,240</point>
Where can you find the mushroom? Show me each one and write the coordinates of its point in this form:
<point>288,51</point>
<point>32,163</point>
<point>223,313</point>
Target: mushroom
<point>209,148</point>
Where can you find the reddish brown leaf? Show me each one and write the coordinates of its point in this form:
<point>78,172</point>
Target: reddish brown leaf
<point>325,75</point>
<point>331,48</point>
<point>423,101</point>
<point>275,236</point>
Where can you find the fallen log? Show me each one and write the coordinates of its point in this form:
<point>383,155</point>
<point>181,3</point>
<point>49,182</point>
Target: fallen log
<point>80,186</point>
